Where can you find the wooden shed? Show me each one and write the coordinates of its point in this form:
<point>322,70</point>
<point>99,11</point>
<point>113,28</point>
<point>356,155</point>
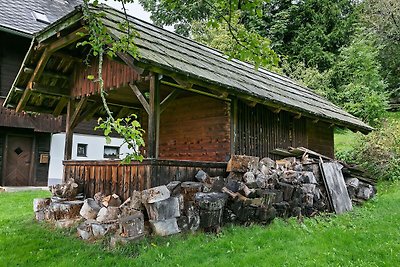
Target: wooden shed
<point>197,107</point>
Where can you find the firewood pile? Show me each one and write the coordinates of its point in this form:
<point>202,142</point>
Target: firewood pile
<point>255,191</point>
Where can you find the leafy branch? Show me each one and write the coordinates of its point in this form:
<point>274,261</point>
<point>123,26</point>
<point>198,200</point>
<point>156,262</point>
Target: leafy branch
<point>102,43</point>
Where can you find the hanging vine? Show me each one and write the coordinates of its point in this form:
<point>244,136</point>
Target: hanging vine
<point>101,44</point>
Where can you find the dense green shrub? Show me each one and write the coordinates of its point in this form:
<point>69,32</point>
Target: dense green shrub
<point>378,152</point>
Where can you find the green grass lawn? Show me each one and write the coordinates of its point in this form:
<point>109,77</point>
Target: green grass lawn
<point>368,236</point>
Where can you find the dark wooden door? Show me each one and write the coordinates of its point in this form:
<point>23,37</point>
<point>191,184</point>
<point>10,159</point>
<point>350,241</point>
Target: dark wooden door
<point>18,161</point>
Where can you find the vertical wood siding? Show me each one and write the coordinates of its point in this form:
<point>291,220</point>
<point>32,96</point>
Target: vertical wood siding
<point>111,177</point>
<point>41,169</point>
<point>195,128</point>
<point>320,138</point>
<point>259,130</point>
<point>115,75</point>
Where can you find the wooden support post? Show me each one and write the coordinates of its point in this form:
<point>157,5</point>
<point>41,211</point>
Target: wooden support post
<point>68,132</point>
<point>154,117</point>
<point>234,122</point>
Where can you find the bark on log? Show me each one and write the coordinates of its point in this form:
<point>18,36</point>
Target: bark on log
<point>241,163</point>
<point>64,210</point>
<point>40,204</point>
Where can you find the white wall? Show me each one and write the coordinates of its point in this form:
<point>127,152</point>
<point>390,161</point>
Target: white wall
<point>95,150</point>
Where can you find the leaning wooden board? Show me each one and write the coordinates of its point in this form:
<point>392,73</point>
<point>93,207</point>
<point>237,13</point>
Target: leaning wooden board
<point>336,187</point>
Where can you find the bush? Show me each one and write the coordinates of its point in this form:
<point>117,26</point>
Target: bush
<point>379,151</point>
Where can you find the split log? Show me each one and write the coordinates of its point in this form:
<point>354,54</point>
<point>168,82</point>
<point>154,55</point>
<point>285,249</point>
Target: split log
<point>162,210</point>
<point>90,209</point>
<point>174,187</point>
<point>165,227</point>
<point>155,194</point>
<point>111,201</point>
<point>249,178</point>
<point>233,194</point>
<point>202,176</point>
<point>132,226</point>
<point>108,214</point>
<point>136,200</point>
<point>64,210</point>
<point>189,190</point>
<point>40,204</point>
<point>67,223</point>
<point>241,163</point>
<point>101,229</point>
<point>84,230</point>
<point>67,190</point>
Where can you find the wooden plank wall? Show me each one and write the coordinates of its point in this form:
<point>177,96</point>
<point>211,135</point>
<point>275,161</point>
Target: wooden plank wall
<point>110,177</point>
<point>2,144</point>
<point>260,130</point>
<point>195,128</point>
<point>320,138</point>
<point>115,75</point>
<point>12,52</point>
<point>42,145</point>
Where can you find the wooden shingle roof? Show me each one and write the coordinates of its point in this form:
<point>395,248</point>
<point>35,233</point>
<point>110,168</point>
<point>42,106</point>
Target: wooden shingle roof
<point>160,49</point>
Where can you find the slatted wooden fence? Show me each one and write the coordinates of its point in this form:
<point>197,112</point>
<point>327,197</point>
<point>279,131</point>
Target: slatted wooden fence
<point>109,176</point>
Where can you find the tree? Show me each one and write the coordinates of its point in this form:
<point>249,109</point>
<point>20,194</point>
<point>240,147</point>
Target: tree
<point>382,17</point>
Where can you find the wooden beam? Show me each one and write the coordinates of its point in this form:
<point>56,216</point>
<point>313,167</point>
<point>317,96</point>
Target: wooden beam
<point>182,82</point>
<point>194,91</point>
<point>154,117</point>
<point>315,121</point>
<point>276,110</point>
<point>48,74</point>
<point>77,112</point>
<point>168,100</point>
<point>89,113</point>
<point>67,40</point>
<point>68,57</point>
<point>59,27</point>
<point>140,96</point>
<point>23,100</point>
<point>298,116</point>
<point>68,133</point>
<point>60,106</point>
<point>129,60</point>
<point>52,90</point>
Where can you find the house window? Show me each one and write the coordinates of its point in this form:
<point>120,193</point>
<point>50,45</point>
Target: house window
<point>82,150</point>
<point>111,152</point>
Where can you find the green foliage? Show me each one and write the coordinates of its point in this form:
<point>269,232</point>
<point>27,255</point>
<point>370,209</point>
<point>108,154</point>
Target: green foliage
<point>219,24</point>
<point>219,36</point>
<point>129,129</point>
<point>354,82</point>
<point>382,17</point>
<point>310,31</point>
<point>379,151</point>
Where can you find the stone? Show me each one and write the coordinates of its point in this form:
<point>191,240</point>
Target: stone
<point>202,176</point>
<point>132,226</point>
<point>108,214</point>
<point>242,163</point>
<point>165,209</point>
<point>155,194</point>
<point>165,227</point>
<point>90,209</point>
<point>41,204</point>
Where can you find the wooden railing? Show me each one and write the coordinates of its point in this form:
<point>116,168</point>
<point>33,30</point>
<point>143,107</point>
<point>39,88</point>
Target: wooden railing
<point>109,176</point>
